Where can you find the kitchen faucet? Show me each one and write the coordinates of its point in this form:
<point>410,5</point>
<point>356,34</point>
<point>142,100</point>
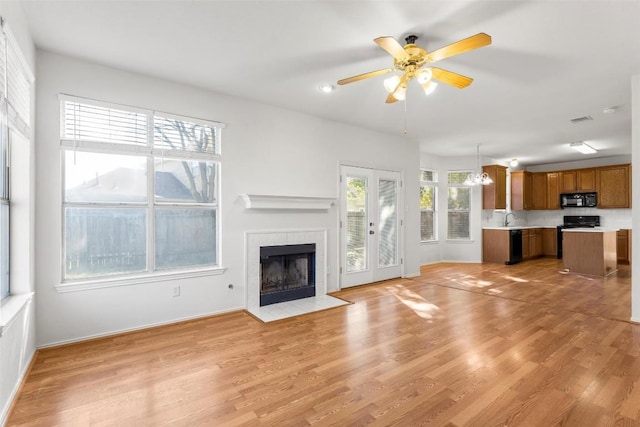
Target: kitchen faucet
<point>506,218</point>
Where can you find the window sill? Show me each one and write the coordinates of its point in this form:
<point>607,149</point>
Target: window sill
<point>463,242</point>
<point>429,242</point>
<point>85,285</point>
<point>11,307</point>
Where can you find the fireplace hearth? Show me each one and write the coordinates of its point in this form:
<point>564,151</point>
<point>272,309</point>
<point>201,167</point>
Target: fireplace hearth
<point>287,272</point>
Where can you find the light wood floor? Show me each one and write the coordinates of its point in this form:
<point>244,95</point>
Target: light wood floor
<point>461,345</point>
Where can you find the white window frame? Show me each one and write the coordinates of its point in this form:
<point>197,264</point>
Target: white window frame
<point>461,185</point>
<point>434,185</point>
<point>16,85</point>
<point>151,152</point>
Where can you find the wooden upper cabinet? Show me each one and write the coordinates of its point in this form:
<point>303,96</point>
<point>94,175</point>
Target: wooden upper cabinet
<point>568,181</point>
<point>539,190</point>
<point>586,179</point>
<point>614,186</point>
<point>520,190</point>
<point>553,190</point>
<point>494,196</point>
<point>578,180</point>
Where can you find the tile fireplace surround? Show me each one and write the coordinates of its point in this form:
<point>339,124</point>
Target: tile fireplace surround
<point>254,240</point>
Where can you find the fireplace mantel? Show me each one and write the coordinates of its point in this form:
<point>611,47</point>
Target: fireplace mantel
<point>267,201</point>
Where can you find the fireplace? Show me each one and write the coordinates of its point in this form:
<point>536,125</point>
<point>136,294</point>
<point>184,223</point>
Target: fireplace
<point>287,272</point>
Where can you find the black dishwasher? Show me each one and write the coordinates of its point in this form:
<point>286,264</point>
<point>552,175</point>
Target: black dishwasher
<point>515,247</point>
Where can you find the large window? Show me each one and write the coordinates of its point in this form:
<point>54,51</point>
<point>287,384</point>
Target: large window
<point>458,206</point>
<point>140,190</point>
<point>4,207</point>
<point>15,108</point>
<point>428,196</point>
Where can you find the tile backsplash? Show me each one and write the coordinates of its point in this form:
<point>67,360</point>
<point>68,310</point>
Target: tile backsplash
<point>614,218</point>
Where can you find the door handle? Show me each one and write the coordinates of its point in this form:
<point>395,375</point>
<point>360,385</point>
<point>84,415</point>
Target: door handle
<point>371,232</point>
<point>370,224</point>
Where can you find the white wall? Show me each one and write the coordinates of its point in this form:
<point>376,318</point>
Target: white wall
<point>17,337</point>
<point>265,150</point>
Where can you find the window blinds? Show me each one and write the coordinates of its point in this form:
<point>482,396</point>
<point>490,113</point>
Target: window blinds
<point>15,82</point>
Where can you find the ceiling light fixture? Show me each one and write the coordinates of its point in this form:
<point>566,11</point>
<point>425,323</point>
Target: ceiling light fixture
<point>513,162</point>
<point>610,110</point>
<point>326,88</point>
<point>478,177</point>
<point>583,148</point>
<point>397,85</point>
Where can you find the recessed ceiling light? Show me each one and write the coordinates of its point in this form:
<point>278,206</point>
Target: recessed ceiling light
<point>326,88</point>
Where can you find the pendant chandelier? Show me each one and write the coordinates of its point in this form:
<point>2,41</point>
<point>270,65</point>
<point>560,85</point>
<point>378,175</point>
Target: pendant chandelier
<point>478,177</point>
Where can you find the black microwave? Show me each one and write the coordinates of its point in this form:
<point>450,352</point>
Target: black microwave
<point>578,200</point>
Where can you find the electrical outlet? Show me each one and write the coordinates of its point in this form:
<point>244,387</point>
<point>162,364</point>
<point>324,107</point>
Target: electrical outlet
<point>176,291</point>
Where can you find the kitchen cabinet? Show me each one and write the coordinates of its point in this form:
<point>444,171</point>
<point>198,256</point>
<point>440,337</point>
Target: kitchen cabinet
<point>494,196</point>
<point>586,179</point>
<point>531,243</point>
<point>549,242</point>
<point>568,181</point>
<point>614,186</point>
<point>589,252</point>
<point>553,190</point>
<point>623,246</point>
<point>495,246</point>
<point>577,180</point>
<point>520,190</point>
<point>535,242</point>
<point>538,190</point>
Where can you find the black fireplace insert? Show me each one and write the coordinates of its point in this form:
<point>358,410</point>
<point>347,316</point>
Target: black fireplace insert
<point>287,272</point>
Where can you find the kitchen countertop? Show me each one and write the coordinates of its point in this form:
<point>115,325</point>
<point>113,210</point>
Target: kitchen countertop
<point>589,230</point>
<point>518,227</point>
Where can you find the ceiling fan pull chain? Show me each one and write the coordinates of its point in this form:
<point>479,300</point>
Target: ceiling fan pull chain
<point>405,117</point>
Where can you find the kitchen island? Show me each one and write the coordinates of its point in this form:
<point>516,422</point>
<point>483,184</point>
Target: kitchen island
<point>590,251</point>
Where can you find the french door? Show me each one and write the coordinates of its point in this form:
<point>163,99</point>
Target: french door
<point>369,226</point>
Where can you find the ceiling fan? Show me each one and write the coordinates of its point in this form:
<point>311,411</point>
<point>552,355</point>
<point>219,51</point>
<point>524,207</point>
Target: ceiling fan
<point>410,60</point>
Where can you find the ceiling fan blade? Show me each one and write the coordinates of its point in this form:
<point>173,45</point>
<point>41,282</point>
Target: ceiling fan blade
<point>392,46</point>
<point>451,78</point>
<point>461,46</point>
<point>364,76</point>
<point>391,99</point>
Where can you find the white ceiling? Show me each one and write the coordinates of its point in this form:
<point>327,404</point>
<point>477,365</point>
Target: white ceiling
<point>550,61</point>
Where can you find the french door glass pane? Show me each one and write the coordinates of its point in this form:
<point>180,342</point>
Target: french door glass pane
<point>356,224</point>
<point>387,223</point>
<point>104,241</point>
<point>185,237</point>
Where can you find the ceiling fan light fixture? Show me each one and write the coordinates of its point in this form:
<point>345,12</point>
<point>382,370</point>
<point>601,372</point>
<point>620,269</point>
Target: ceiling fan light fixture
<point>391,83</point>
<point>424,75</point>
<point>429,87</point>
<point>583,148</point>
<point>401,92</point>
